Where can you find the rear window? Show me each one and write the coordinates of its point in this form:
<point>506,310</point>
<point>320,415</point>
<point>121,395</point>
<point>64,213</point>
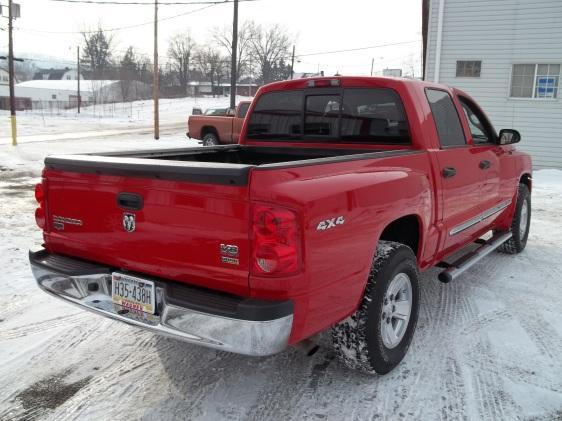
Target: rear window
<point>353,115</point>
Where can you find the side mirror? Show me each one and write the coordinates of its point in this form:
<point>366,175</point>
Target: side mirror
<point>509,136</point>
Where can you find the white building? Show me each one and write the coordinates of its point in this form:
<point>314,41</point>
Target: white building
<point>507,54</point>
<point>64,93</point>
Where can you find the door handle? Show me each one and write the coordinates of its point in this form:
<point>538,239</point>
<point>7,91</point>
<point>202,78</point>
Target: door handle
<point>485,164</point>
<point>449,172</point>
<point>130,201</point>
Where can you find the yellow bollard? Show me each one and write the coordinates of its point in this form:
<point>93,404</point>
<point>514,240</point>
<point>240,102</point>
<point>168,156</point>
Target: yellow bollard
<point>14,132</point>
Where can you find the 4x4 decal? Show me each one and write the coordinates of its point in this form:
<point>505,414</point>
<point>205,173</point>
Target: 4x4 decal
<point>330,223</point>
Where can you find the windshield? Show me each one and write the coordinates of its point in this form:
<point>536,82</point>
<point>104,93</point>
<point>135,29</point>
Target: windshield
<point>353,115</point>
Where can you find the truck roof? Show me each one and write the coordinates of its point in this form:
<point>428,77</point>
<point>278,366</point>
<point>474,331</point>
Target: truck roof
<point>349,81</point>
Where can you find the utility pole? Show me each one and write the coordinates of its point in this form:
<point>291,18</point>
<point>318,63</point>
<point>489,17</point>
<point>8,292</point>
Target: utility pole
<point>11,74</point>
<point>292,62</point>
<point>155,87</point>
<point>78,71</point>
<point>233,64</point>
<point>372,65</point>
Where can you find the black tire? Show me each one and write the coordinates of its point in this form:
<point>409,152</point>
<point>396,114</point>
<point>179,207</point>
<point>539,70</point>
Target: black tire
<point>520,233</point>
<point>210,139</point>
<point>358,340</point>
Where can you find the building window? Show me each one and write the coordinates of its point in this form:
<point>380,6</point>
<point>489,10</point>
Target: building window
<point>535,81</point>
<point>468,68</point>
<point>53,96</point>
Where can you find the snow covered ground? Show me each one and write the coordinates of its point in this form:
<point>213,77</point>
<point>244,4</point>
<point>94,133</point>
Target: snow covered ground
<point>136,117</point>
<point>488,347</point>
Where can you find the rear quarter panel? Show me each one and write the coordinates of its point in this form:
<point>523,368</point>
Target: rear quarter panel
<point>369,194</point>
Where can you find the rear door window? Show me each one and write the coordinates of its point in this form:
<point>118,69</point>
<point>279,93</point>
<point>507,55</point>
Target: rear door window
<point>446,118</point>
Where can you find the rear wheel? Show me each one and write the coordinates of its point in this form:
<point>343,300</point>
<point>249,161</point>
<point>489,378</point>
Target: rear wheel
<point>521,223</point>
<point>210,139</point>
<point>377,336</point>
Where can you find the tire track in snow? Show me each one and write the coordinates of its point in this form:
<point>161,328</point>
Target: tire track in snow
<point>41,326</point>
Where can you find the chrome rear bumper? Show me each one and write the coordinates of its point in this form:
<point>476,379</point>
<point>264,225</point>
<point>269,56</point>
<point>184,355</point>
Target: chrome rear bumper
<point>214,320</point>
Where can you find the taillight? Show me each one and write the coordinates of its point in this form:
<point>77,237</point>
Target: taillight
<point>40,211</point>
<point>276,241</point>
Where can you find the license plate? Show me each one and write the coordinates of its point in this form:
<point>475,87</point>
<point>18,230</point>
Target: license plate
<point>132,293</point>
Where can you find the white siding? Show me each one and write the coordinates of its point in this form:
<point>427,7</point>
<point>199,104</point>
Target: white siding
<point>501,33</point>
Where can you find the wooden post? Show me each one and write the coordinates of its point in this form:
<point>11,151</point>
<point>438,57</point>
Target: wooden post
<point>155,87</point>
<point>11,75</point>
<point>78,71</point>
<point>233,66</point>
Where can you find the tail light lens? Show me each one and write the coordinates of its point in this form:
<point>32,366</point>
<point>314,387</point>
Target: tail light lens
<point>276,241</point>
<point>40,211</point>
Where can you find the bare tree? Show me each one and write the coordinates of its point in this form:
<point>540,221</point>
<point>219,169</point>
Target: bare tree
<point>222,36</point>
<point>269,46</point>
<point>180,50</point>
<point>97,52</point>
<point>211,64</point>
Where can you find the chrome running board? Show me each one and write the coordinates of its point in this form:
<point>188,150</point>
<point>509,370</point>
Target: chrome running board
<point>454,270</point>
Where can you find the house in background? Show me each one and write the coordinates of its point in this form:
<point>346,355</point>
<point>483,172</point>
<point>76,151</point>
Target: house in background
<point>57,74</point>
<point>196,88</point>
<point>507,54</point>
<point>63,94</point>
<point>21,103</point>
<point>4,77</point>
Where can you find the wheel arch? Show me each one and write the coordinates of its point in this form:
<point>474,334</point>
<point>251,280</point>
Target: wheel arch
<point>406,230</point>
<point>205,130</point>
<point>526,179</point>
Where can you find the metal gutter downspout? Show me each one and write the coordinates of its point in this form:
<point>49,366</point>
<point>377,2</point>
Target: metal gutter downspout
<point>439,41</point>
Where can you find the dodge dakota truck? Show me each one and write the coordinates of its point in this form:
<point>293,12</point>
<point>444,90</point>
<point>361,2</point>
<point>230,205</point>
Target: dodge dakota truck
<point>215,129</point>
<point>339,193</point>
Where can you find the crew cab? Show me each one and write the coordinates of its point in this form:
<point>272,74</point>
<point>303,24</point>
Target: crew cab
<point>340,191</point>
<point>218,125</point>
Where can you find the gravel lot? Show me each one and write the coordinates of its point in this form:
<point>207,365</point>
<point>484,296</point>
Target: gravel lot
<point>488,347</point>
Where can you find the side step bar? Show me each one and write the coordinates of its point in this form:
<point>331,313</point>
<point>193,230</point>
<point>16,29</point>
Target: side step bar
<point>468,260</point>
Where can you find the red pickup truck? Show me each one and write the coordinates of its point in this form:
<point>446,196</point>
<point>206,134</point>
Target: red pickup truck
<point>214,129</point>
<point>340,191</point>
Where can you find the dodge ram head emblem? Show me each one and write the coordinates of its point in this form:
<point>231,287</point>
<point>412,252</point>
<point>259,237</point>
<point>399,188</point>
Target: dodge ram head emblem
<point>129,222</point>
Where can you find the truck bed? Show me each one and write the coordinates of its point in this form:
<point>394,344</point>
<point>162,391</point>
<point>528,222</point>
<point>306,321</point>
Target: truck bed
<point>227,165</point>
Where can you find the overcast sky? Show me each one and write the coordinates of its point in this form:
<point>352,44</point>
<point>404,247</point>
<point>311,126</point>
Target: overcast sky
<point>51,28</point>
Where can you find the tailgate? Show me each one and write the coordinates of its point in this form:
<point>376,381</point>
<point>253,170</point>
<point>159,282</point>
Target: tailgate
<point>176,233</point>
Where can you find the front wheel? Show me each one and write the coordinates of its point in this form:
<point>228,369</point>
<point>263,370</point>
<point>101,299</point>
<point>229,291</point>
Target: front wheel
<point>521,223</point>
<point>377,336</point>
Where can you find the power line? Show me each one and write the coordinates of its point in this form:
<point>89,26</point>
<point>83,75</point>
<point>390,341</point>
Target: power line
<point>127,27</point>
<point>356,49</point>
<point>166,3</point>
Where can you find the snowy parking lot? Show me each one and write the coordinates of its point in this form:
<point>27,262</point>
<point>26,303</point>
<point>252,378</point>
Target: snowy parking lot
<point>488,347</point>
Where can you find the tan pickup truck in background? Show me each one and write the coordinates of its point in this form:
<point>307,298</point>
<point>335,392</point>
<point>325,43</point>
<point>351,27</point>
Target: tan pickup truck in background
<point>215,129</point>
